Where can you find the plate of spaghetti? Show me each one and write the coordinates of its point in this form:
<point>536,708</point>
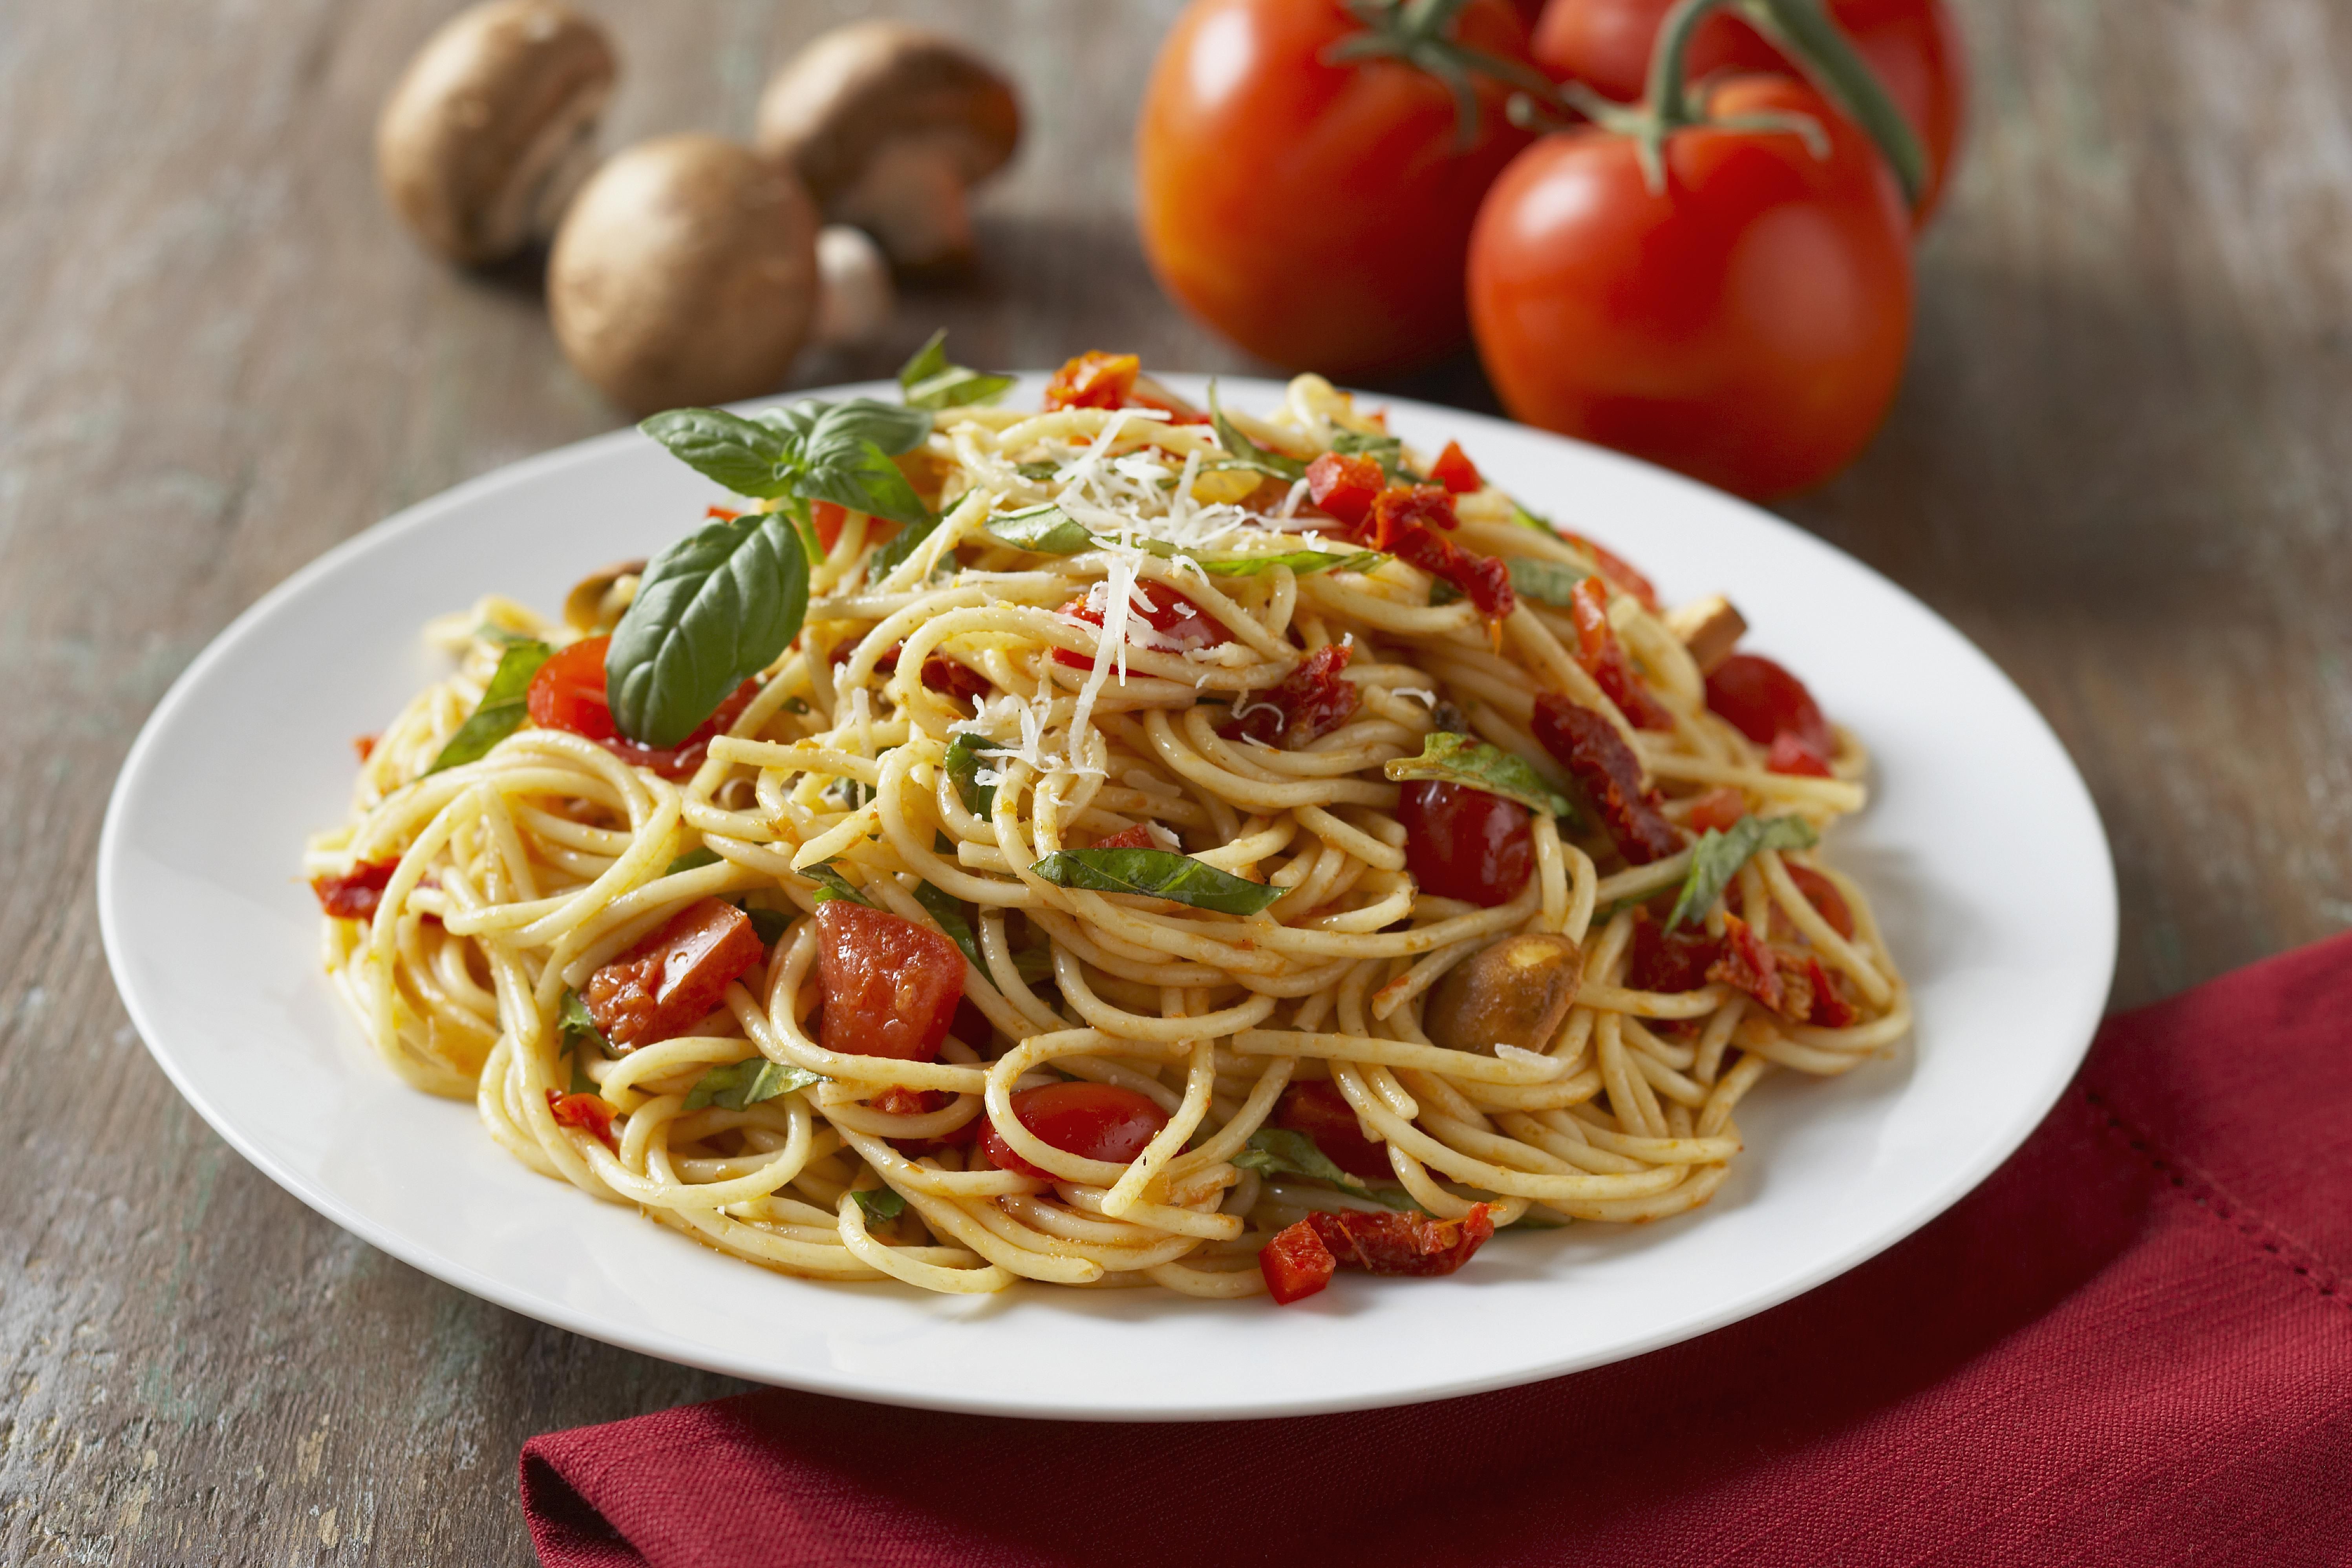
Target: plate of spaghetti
<point>1107,895</point>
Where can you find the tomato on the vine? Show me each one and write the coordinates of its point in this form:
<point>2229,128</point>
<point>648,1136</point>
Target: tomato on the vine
<point>1914,46</point>
<point>1745,320</point>
<point>1308,198</point>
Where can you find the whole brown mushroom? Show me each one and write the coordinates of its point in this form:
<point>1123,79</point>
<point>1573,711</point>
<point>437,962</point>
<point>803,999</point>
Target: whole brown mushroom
<point>889,126</point>
<point>1517,990</point>
<point>493,127</point>
<point>685,273</point>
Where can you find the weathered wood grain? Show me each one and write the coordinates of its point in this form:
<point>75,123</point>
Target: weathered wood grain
<point>2119,463</point>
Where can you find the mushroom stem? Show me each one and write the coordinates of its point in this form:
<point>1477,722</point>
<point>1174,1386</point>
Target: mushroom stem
<point>853,294</point>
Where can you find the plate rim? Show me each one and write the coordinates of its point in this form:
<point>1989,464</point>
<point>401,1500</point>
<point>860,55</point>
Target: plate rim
<point>660,1341</point>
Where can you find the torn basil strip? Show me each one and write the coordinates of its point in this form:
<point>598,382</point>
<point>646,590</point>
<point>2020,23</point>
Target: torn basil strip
<point>1248,454</point>
<point>578,1026</point>
<point>1449,759</point>
<point>768,924</point>
<point>503,709</point>
<point>1279,1151</point>
<point>881,1203</point>
<point>963,763</point>
<point>1303,562</point>
<point>954,918</point>
<point>740,1085</point>
<point>1047,530</point>
<point>831,884</point>
<point>693,860</point>
<point>931,381</point>
<point>1717,858</point>
<point>1157,873</point>
<point>1388,451</point>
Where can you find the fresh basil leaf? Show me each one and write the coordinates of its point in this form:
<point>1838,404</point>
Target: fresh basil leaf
<point>501,711</point>
<point>1157,873</point>
<point>862,477</point>
<point>1304,563</point>
<point>578,1025</point>
<point>897,548</point>
<point>1388,451</point>
<point>1278,1151</point>
<point>931,381</point>
<point>1047,530</point>
<point>847,793</point>
<point>949,911</point>
<point>1041,473</point>
<point>963,764</point>
<point>713,610</point>
<point>1248,454</point>
<point>831,884</point>
<point>693,860</point>
<point>740,1085</point>
<point>1526,519</point>
<point>1545,581</point>
<point>768,924</point>
<point>1717,858</point>
<point>1452,758</point>
<point>749,456</point>
<point>881,1203</point>
<point>1035,962</point>
<point>817,431</point>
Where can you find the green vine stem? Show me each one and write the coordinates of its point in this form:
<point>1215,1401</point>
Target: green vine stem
<point>1421,34</point>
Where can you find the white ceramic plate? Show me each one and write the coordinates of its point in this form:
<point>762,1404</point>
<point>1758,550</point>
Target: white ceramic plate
<point>1981,851</point>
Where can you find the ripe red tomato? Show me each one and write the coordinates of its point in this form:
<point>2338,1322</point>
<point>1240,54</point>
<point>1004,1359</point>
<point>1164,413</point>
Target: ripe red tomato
<point>1465,843</point>
<point>1745,324</point>
<point>1093,1121</point>
<point>890,986</point>
<point>1316,211</point>
<point>1914,46</point>
<point>1762,699</point>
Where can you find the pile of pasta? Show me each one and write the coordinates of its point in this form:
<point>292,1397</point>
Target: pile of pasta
<point>519,876</point>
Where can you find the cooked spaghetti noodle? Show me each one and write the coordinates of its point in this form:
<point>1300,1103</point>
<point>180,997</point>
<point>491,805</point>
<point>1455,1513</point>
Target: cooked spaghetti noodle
<point>515,879</point>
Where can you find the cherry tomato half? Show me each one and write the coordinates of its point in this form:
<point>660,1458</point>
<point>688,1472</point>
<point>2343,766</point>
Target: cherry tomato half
<point>1316,210</point>
<point>1183,626</point>
<point>1914,46</point>
<point>1762,698</point>
<point>1465,843</point>
<point>1316,1108</point>
<point>1746,323</point>
<point>1093,1121</point>
<point>568,693</point>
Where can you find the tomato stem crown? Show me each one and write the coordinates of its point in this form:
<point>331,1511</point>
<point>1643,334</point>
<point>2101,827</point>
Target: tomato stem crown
<point>1420,33</point>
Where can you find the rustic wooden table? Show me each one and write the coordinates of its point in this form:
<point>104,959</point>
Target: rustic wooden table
<point>2117,465</point>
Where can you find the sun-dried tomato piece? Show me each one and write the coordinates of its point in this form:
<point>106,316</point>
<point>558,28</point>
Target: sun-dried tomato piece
<point>1403,1243</point>
<point>1745,963</point>
<point>1454,470</point>
<point>1620,572</point>
<point>1610,776</point>
<point>1345,486</point>
<point>1094,379</point>
<point>1604,658</point>
<point>1832,1008</point>
<point>1138,837</point>
<point>353,894</point>
<point>592,1113</point>
<point>1668,961</point>
<point>1403,506</point>
<point>669,981</point>
<point>1303,706</point>
<point>1296,1264</point>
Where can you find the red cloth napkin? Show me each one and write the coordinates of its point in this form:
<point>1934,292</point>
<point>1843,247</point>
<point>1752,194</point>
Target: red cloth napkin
<point>2133,1346</point>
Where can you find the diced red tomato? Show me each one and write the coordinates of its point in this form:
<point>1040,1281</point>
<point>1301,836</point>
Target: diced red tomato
<point>1718,809</point>
<point>1403,1243</point>
<point>828,519</point>
<point>1454,470</point>
<point>1316,1108</point>
<point>1138,837</point>
<point>1093,1121</point>
<point>1760,699</point>
<point>1605,769</point>
<point>1620,572</point>
<point>1604,658</point>
<point>365,745</point>
<point>1183,626</point>
<point>1304,705</point>
<point>1345,486</point>
<point>355,893</point>
<point>1668,961</point>
<point>1094,379</point>
<point>568,693</point>
<point>1792,754</point>
<point>1823,894</point>
<point>891,986</point>
<point>900,1100</point>
<point>1463,844</point>
<point>668,982</point>
<point>721,514</point>
<point>592,1113</point>
<point>1401,507</point>
<point>1296,1264</point>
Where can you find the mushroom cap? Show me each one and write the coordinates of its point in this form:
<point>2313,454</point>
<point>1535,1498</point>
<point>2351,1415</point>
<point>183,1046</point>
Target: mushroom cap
<point>685,274</point>
<point>855,89</point>
<point>486,133</point>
